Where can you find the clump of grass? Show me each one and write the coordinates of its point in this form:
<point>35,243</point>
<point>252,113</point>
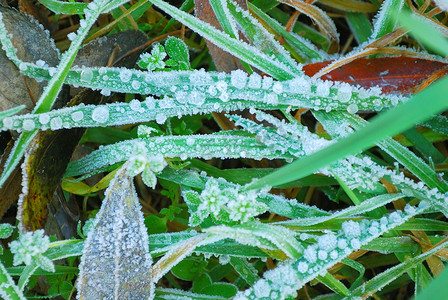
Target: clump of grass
<point>347,205</point>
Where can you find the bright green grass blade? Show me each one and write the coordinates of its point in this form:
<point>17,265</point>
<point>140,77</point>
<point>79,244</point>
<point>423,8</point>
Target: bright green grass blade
<point>222,14</point>
<point>334,284</point>
<point>304,47</point>
<point>387,124</point>
<point>11,111</point>
<point>422,145</point>
<point>360,26</point>
<point>425,33</point>
<point>381,280</point>
<point>65,8</point>
<point>386,19</point>
<point>437,289</point>
<point>245,269</point>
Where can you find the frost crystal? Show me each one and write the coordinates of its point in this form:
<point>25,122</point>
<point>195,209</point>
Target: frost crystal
<point>310,254</point>
<point>28,125</point>
<point>351,229</point>
<point>125,75</point>
<point>238,79</point>
<point>100,114</point>
<point>29,245</point>
<point>77,116</point>
<point>327,242</point>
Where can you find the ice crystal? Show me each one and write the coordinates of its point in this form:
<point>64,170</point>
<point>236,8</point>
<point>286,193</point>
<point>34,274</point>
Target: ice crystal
<point>226,205</point>
<point>30,246</point>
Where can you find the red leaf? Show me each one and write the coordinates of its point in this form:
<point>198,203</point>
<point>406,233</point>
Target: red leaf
<point>392,74</point>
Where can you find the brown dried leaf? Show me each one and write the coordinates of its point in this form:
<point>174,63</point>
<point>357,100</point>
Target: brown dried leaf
<point>32,43</point>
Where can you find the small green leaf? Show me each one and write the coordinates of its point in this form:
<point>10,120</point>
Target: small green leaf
<point>189,268</point>
<point>178,50</point>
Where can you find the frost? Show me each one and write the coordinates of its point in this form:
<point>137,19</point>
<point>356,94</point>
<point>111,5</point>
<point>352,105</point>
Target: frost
<point>40,63</point>
<point>310,254</point>
<point>29,247</point>
<point>71,36</point>
<point>86,75</point>
<point>116,263</point>
<point>352,108</point>
<point>100,114</point>
<point>267,83</point>
<point>77,116</point>
<point>351,229</point>
<point>125,75</point>
<point>323,88</point>
<point>254,81</point>
<point>135,105</point>
<point>277,87</point>
<point>56,123</point>
<point>342,243</point>
<point>322,255</point>
<point>327,242</point>
<point>28,125</point>
<point>355,243</point>
<point>238,79</point>
<point>160,118</point>
<point>302,267</point>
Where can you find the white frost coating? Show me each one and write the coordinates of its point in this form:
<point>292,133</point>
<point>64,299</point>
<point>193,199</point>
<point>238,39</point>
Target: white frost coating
<point>116,263</point>
<point>267,83</point>
<point>40,63</point>
<point>254,81</point>
<point>28,125</point>
<point>86,75</point>
<point>71,36</point>
<point>310,254</point>
<point>136,105</point>
<point>277,88</point>
<point>352,108</point>
<point>56,123</point>
<point>125,75</point>
<point>302,267</point>
<point>344,93</point>
<point>351,229</point>
<point>238,79</point>
<point>77,116</point>
<point>327,242</point>
<point>100,114</point>
<point>44,118</point>
<point>323,88</point>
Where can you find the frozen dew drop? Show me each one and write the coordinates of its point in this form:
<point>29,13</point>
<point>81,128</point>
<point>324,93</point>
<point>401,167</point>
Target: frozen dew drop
<point>40,63</point>
<point>344,92</point>
<point>105,92</point>
<point>181,96</point>
<point>44,119</point>
<point>327,242</point>
<point>334,254</point>
<point>86,75</point>
<point>28,125</point>
<point>197,98</point>
<point>302,267</point>
<point>183,156</point>
<point>224,97</point>
<point>352,108</point>
<point>7,122</point>
<point>271,98</point>
<point>71,36</point>
<point>160,118</point>
<point>100,114</point>
<point>277,88</point>
<point>56,123</point>
<point>395,217</point>
<point>355,244</point>
<point>322,254</point>
<point>22,66</point>
<point>254,81</point>
<point>52,71</point>
<point>310,254</point>
<point>377,103</point>
<point>135,105</point>
<point>136,84</point>
<point>102,70</point>
<point>267,83</point>
<point>212,91</point>
<point>125,75</point>
<point>351,229</point>
<point>238,79</point>
<point>342,243</point>
<point>190,141</point>
<point>77,116</point>
<point>323,88</point>
<point>221,86</point>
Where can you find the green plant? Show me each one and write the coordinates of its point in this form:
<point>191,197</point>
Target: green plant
<point>118,256</point>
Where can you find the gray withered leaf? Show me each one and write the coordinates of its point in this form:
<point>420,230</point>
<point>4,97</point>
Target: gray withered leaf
<point>116,263</point>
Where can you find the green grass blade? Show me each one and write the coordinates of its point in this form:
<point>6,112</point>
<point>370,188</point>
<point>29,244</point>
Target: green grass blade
<point>241,50</point>
<point>65,8</point>
<point>425,33</point>
<point>387,124</point>
<point>386,19</point>
<point>360,26</point>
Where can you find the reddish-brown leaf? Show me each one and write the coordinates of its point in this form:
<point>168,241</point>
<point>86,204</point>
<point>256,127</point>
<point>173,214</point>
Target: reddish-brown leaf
<point>393,74</point>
